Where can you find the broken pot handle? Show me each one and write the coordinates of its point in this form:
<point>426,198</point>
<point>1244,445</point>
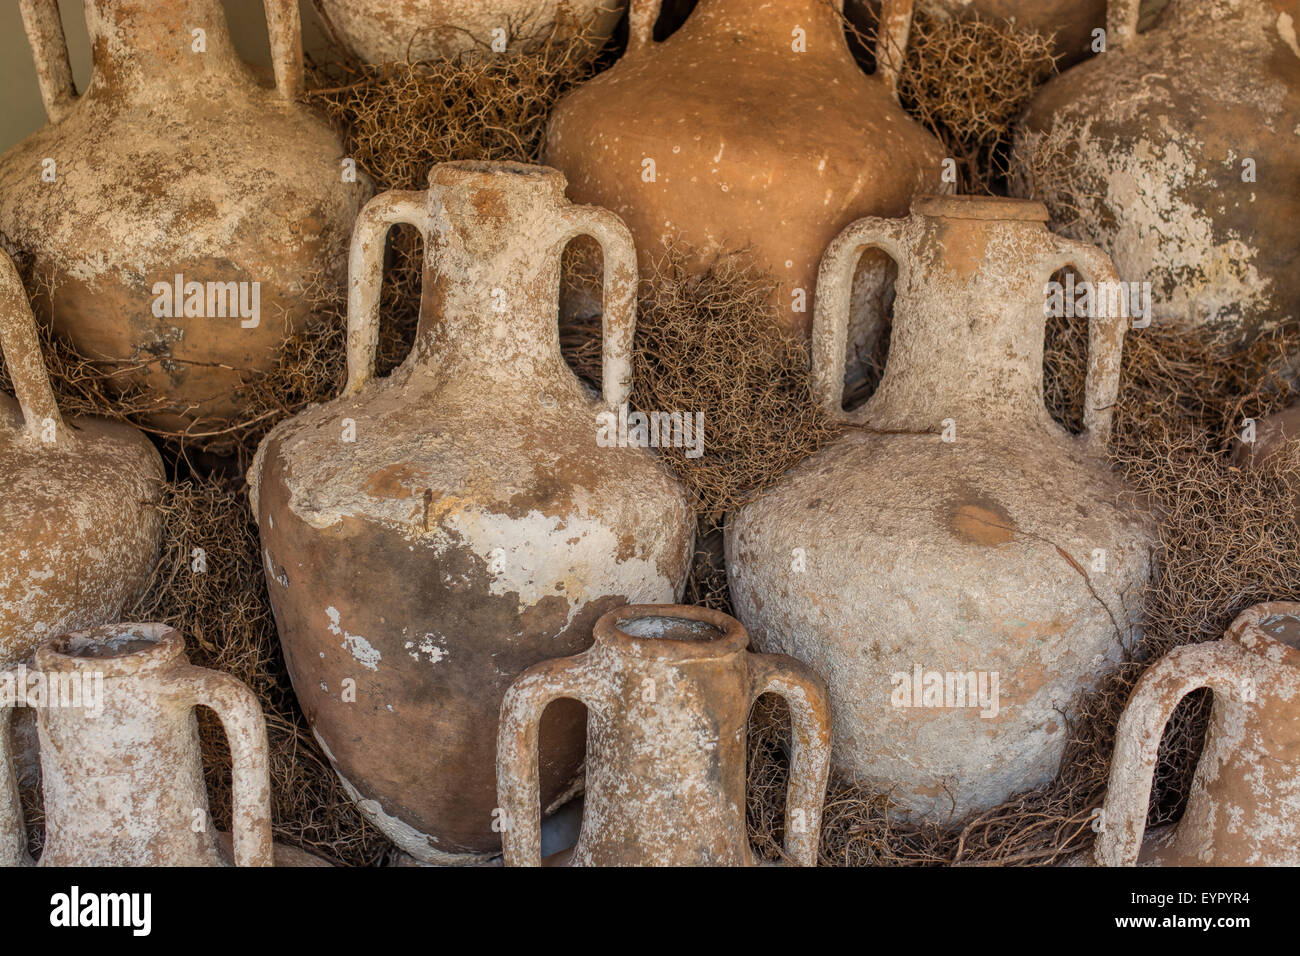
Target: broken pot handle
<point>284,24</point>
<point>22,355</point>
<point>892,34</point>
<point>1105,337</point>
<point>44,28</point>
<point>810,723</point>
<point>618,311</point>
<point>241,717</point>
<point>13,832</point>
<point>366,274</point>
<point>518,787</point>
<point>1122,18</point>
<point>833,300</point>
<point>1123,820</point>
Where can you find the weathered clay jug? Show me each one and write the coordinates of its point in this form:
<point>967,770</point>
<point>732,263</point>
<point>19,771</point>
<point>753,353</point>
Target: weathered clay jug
<point>380,31</point>
<point>957,565</point>
<point>668,690</point>
<point>1244,808</point>
<point>1070,22</point>
<point>751,127</point>
<point>1175,152</point>
<point>79,522</point>
<point>430,535</point>
<point>182,211</point>
<point>123,778</point>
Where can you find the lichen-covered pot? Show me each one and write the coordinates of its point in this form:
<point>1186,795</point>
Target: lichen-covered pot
<point>429,536</point>
<point>1070,22</point>
<point>123,777</point>
<point>1244,807</point>
<point>384,31</point>
<point>1175,152</point>
<point>668,691</point>
<point>956,565</point>
<point>79,522</point>
<point>751,127</point>
<point>174,162</point>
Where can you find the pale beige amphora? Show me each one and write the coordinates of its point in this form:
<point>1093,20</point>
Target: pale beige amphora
<point>956,565</point>
<point>668,691</point>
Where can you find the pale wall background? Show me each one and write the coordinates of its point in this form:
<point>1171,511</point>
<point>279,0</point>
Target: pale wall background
<point>21,112</point>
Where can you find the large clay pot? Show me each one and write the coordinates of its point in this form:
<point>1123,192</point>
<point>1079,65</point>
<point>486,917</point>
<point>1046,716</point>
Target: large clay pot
<point>668,691</point>
<point>123,777</point>
<point>1070,22</point>
<point>79,520</point>
<point>381,31</point>
<point>1175,152</point>
<point>753,144</point>
<point>474,526</point>
<point>177,163</point>
<point>955,532</point>
<point>1242,810</point>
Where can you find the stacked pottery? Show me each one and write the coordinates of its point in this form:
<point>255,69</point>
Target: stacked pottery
<point>182,213</point>
<point>123,778</point>
<point>956,565</point>
<point>380,31</point>
<point>1175,152</point>
<point>429,536</point>
<point>751,127</point>
<point>79,521</point>
<point>668,691</point>
<point>1244,806</point>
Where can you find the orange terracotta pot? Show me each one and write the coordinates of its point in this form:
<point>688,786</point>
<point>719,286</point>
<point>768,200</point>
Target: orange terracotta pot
<point>751,127</point>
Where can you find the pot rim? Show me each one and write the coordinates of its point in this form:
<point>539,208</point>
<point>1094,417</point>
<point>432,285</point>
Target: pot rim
<point>732,639</point>
<point>988,208</point>
<point>120,653</point>
<point>471,172</point>
<point>1248,631</point>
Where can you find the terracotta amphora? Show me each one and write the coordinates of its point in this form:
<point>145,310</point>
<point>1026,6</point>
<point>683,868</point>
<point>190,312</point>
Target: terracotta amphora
<point>430,535</point>
<point>1070,23</point>
<point>668,690</point>
<point>956,565</point>
<point>1244,808</point>
<point>79,521</point>
<point>185,215</point>
<point>752,127</point>
<point>381,31</point>
<point>1175,152</point>
<point>123,778</point>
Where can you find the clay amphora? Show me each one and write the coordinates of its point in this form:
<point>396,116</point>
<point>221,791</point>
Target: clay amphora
<point>430,535</point>
<point>957,565</point>
<point>668,691</point>
<point>1175,152</point>
<point>123,778</point>
<point>1070,22</point>
<point>79,522</point>
<point>1244,808</point>
<point>380,31</point>
<point>751,127</point>
<point>174,162</point>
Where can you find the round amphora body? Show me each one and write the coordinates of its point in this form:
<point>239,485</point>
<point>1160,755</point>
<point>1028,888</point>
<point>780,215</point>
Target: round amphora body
<point>956,565</point>
<point>430,535</point>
